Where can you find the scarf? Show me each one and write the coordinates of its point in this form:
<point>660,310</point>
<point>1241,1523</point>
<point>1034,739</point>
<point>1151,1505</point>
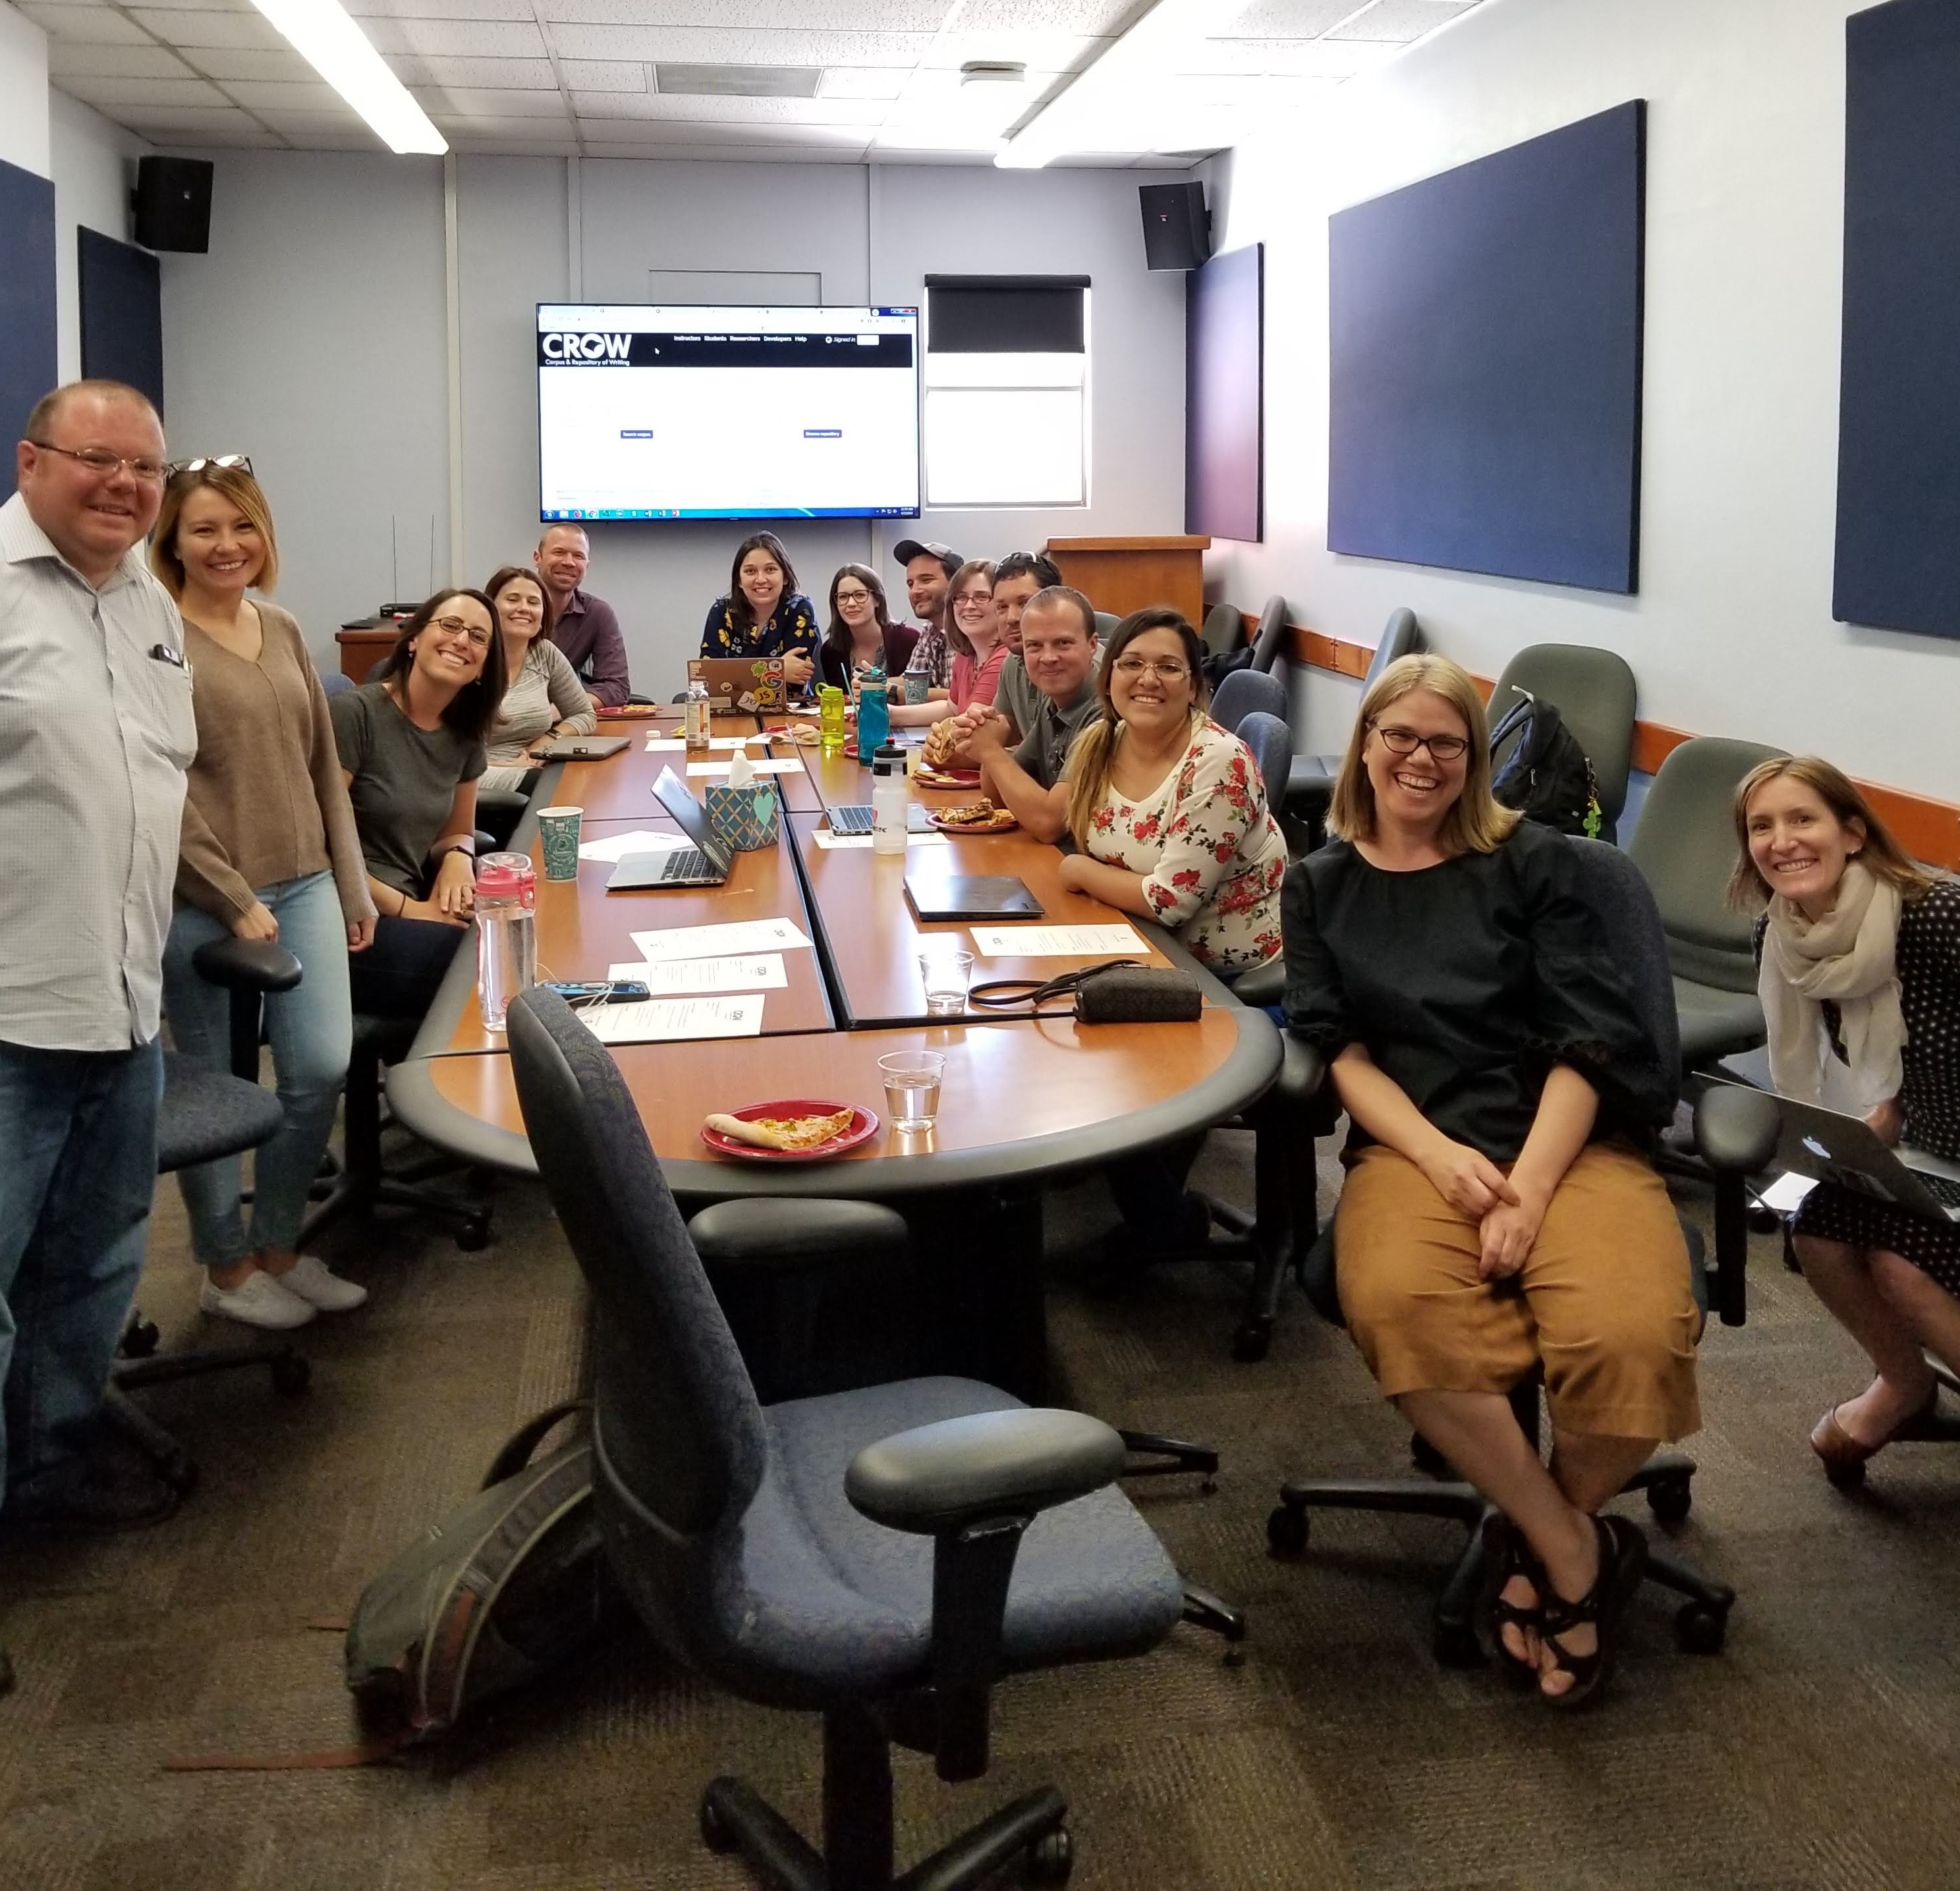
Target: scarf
<point>1846,957</point>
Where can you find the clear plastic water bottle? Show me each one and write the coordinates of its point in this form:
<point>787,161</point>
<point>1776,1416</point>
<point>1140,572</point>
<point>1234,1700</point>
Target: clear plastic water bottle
<point>698,710</point>
<point>507,932</point>
<point>891,800</point>
<point>874,718</point>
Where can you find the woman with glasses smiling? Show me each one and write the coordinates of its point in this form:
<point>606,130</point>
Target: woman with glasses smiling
<point>1499,1213</point>
<point>546,699</point>
<point>979,648</point>
<point>411,748</point>
<point>861,633</point>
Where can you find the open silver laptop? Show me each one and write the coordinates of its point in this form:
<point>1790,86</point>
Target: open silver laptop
<point>1831,1146</point>
<point>706,863</point>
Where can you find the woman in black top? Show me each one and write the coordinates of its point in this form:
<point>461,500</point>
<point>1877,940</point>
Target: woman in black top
<point>861,631</point>
<point>1497,1214</point>
<point>1860,968</point>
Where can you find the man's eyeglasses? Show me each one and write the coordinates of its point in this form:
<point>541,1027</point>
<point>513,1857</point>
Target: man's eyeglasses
<point>461,627</point>
<point>219,462</point>
<point>1169,668</point>
<point>105,465</point>
<point>1406,741</point>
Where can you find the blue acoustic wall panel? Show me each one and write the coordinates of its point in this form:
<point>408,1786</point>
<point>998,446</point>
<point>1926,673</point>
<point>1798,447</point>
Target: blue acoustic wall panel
<point>122,313</point>
<point>1224,394</point>
<point>1484,396</point>
<point>27,356</point>
<point>1898,424</point>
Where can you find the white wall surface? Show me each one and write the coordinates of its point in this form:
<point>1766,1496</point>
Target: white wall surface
<point>94,164</point>
<point>23,92</point>
<point>1731,633</point>
<point>312,336</point>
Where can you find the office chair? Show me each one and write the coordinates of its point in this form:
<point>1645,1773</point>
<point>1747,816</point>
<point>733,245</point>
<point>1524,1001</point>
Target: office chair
<point>1684,844</point>
<point>1106,625</point>
<point>881,1557</point>
<point>1252,705</point>
<point>207,1114</point>
<point>1223,632</point>
<point>1736,1132</point>
<point>1269,640</point>
<point>1310,781</point>
<point>1594,692</point>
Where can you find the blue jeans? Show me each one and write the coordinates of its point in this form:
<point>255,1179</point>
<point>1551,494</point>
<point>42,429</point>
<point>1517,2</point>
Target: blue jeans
<point>78,1168</point>
<point>312,1031</point>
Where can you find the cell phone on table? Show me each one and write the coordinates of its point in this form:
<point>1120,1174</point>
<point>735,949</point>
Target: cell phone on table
<point>610,991</point>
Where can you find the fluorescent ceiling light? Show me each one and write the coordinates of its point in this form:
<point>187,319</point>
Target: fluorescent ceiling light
<point>339,52</point>
<point>1102,107</point>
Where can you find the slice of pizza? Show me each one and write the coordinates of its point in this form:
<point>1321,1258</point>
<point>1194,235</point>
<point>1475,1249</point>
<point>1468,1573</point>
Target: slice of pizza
<point>782,1132</point>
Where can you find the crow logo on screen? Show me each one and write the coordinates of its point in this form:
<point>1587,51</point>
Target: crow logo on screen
<point>587,347</point>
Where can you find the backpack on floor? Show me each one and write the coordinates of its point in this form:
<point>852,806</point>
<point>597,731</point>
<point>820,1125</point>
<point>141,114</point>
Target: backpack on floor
<point>509,1586</point>
<point>1537,767</point>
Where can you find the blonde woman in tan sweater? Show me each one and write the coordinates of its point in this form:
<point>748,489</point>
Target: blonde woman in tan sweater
<point>268,851</point>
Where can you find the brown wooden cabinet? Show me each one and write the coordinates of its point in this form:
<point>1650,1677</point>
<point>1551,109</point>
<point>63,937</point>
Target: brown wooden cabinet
<point>1123,575</point>
<point>362,646</point>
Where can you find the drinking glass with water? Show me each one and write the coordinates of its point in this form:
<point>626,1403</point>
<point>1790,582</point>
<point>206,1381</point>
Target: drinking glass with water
<point>912,1088</point>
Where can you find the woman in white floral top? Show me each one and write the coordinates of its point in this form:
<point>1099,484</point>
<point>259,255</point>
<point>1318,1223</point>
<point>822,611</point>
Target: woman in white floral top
<point>1168,809</point>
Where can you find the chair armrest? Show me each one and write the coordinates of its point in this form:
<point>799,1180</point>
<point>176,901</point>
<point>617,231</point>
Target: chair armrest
<point>246,964</point>
<point>785,1234</point>
<point>1263,985</point>
<point>1735,1129</point>
<point>937,1478</point>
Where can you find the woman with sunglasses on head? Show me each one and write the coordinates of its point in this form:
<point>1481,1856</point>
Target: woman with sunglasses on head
<point>411,748</point>
<point>544,698</point>
<point>763,614</point>
<point>268,851</point>
<point>1860,974</point>
<point>1499,1214</point>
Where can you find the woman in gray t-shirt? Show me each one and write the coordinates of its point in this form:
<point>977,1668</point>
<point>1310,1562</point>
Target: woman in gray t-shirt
<point>411,746</point>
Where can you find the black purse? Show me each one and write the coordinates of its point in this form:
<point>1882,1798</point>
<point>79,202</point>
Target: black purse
<point>1122,992</point>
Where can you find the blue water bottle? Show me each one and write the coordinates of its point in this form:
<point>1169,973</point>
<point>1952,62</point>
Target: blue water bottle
<point>874,718</point>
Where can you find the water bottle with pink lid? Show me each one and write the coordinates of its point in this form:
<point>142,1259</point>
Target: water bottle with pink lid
<point>507,932</point>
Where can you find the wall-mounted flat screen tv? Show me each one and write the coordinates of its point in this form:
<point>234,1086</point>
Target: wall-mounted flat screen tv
<point>648,410</point>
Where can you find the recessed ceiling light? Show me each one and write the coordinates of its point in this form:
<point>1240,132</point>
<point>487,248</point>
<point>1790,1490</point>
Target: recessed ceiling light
<point>993,72</point>
<point>323,35</point>
<point>737,81</point>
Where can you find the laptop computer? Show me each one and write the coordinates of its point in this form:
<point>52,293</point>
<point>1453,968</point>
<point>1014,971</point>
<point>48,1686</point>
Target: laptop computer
<point>706,863</point>
<point>854,817</point>
<point>1831,1146</point>
<point>581,747</point>
<point>936,894</point>
<point>741,682</point>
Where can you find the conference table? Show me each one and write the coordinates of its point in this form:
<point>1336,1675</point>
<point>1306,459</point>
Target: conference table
<point>1023,1102</point>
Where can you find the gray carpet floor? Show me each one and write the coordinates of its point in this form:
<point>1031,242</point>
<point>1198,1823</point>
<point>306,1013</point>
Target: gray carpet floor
<point>1819,1751</point>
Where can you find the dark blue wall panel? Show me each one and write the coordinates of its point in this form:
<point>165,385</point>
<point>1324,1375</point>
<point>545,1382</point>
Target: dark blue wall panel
<point>27,352</point>
<point>1485,400</point>
<point>122,313</point>
<point>1224,395</point>
<point>1898,426</point>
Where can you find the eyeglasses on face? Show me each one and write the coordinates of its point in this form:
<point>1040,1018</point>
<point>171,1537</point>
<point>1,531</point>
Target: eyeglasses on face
<point>861,596</point>
<point>1406,741</point>
<point>225,462</point>
<point>972,600</point>
<point>1170,669</point>
<point>461,627</point>
<point>105,465</point>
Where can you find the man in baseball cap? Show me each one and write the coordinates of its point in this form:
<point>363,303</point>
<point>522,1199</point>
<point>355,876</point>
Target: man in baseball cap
<point>929,568</point>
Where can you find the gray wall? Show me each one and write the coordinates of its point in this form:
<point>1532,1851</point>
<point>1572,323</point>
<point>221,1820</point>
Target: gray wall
<point>313,337</point>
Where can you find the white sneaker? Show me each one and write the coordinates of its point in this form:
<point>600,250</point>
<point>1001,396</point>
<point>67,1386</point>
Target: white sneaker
<point>260,1301</point>
<point>310,1279</point>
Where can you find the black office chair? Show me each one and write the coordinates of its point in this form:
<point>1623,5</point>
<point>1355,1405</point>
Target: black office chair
<point>205,1114</point>
<point>1594,692</point>
<point>1736,1133</point>
<point>1310,779</point>
<point>1269,640</point>
<point>1223,632</point>
<point>783,1550</point>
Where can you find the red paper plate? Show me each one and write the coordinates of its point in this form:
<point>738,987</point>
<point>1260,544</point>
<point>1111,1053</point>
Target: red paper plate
<point>947,777</point>
<point>863,1126</point>
<point>1006,825</point>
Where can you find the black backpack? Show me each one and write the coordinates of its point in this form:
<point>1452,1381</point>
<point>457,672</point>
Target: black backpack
<point>1537,767</point>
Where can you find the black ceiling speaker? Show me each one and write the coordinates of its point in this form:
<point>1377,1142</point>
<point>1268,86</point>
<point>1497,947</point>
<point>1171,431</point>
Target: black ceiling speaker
<point>172,201</point>
<point>1177,227</point>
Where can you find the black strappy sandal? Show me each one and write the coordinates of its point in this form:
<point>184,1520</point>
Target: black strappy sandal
<point>1507,1554</point>
<point>1623,1561</point>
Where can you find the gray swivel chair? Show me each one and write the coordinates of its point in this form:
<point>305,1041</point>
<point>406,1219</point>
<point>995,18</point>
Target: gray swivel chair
<point>1594,693</point>
<point>1685,844</point>
<point>1310,781</point>
<point>880,1557</point>
<point>1269,640</point>
<point>1252,705</point>
<point>1223,632</point>
<point>1736,1132</point>
<point>1106,625</point>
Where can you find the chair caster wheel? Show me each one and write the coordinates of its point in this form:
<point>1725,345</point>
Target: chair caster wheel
<point>1700,1629</point>
<point>292,1375</point>
<point>1207,1486</point>
<point>474,1235</point>
<point>1454,1645</point>
<point>716,1833</point>
<point>1287,1530</point>
<point>1251,1342</point>
<point>1846,1477</point>
<point>1671,1501</point>
<point>1052,1857</point>
<point>140,1339</point>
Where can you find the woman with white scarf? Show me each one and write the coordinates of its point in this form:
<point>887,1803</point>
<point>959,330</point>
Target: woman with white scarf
<point>1859,962</point>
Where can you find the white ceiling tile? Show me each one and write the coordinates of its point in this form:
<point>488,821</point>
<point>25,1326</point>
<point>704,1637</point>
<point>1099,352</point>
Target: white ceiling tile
<point>697,45</point>
<point>528,132</point>
<point>1304,58</point>
<point>732,154</point>
<point>720,109</point>
<point>605,76</point>
<point>861,82</point>
<point>674,131</point>
<point>841,16</point>
<point>182,27</point>
<point>69,57</point>
<point>1051,52</point>
<point>271,96</point>
<point>488,108</point>
<point>249,62</point>
<point>1399,21</point>
<point>185,118</point>
<point>305,125</point>
<point>459,38</point>
<point>143,92</point>
<point>89,26</point>
<point>1288,19</point>
<point>487,76</point>
<point>515,9</point>
<point>1095,17</point>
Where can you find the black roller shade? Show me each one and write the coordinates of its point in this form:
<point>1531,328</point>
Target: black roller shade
<point>1005,315</point>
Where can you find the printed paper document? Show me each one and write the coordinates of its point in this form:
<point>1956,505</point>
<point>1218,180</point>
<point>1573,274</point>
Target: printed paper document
<point>751,972</point>
<point>669,1020</point>
<point>719,942</point>
<point>1056,942</point>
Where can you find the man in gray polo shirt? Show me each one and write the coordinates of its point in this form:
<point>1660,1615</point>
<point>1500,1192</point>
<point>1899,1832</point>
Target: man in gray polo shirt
<point>1058,646</point>
<point>96,732</point>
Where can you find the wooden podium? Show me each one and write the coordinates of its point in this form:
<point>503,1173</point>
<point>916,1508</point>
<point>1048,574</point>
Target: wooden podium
<point>1123,575</point>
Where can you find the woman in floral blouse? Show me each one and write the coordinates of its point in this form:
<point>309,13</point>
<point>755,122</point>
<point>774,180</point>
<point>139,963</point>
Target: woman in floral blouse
<point>764,614</point>
<point>1168,809</point>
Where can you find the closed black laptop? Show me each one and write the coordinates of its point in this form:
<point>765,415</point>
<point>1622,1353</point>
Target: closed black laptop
<point>944,896</point>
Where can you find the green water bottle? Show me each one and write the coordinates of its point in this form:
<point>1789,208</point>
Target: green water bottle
<point>830,718</point>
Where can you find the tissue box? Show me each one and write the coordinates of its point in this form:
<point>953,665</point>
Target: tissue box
<point>742,819</point>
